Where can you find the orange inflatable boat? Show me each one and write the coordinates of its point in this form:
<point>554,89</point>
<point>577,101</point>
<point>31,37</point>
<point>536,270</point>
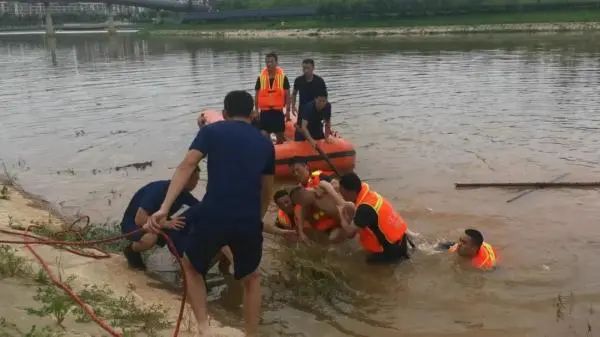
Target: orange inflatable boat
<point>340,152</point>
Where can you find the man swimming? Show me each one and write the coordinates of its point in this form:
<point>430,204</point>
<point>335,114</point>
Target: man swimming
<point>472,248</point>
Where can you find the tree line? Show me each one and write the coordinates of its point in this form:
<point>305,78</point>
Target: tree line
<point>362,8</point>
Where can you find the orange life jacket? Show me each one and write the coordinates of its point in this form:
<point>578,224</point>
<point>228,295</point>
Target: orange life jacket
<point>323,222</point>
<point>271,97</point>
<point>390,223</point>
<point>284,221</point>
<point>314,180</point>
<point>486,257</point>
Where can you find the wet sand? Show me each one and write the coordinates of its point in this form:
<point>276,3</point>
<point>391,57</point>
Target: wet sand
<point>380,31</point>
<point>22,209</point>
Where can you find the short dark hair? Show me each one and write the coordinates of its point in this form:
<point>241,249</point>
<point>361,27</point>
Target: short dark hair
<point>295,190</point>
<point>351,182</point>
<point>299,161</point>
<point>279,194</point>
<point>273,55</point>
<point>476,236</point>
<point>309,61</point>
<point>239,103</point>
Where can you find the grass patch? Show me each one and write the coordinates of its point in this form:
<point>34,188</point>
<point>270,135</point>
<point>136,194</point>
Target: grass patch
<point>55,302</point>
<point>90,233</point>
<point>11,178</point>
<point>9,329</point>
<point>120,311</point>
<point>548,16</point>
<point>12,265</point>
<point>306,275</point>
<point>4,193</point>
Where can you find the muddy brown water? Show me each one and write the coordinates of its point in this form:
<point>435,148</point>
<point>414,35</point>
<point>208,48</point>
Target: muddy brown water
<point>423,113</point>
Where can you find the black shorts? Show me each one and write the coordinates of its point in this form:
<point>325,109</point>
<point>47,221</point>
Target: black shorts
<point>394,253</point>
<point>272,121</point>
<point>206,239</point>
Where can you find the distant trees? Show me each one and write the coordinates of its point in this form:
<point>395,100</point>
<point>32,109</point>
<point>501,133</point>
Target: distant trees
<point>362,8</point>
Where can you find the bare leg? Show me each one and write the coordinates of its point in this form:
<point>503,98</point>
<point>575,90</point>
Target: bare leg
<point>226,263</point>
<point>147,241</point>
<point>252,303</point>
<point>196,295</point>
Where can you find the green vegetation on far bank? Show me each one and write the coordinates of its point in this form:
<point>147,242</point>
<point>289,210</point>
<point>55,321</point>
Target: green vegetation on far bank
<point>588,15</point>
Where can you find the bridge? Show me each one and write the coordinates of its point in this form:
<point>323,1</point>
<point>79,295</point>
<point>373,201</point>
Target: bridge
<point>170,5</point>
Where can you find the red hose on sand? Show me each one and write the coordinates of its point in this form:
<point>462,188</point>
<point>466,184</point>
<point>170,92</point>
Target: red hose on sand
<point>103,254</point>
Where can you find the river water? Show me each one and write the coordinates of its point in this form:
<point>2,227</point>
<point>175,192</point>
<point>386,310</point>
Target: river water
<point>423,114</point>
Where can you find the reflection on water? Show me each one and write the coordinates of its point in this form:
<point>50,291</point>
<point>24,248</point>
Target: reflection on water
<point>422,112</point>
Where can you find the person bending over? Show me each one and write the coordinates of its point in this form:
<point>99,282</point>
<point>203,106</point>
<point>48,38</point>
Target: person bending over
<point>381,230</point>
<point>146,201</point>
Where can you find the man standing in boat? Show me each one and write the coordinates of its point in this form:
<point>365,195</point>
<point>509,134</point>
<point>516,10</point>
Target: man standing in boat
<point>241,166</point>
<point>272,96</point>
<point>314,120</point>
<point>307,85</point>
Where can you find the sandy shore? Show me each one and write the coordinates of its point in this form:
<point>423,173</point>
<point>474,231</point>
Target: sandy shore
<point>22,209</point>
<point>382,31</point>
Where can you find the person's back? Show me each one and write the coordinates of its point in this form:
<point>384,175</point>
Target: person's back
<point>237,155</point>
<point>241,166</point>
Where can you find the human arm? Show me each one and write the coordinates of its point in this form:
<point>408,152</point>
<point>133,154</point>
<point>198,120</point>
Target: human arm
<point>328,188</point>
<point>180,178</point>
<point>299,219</point>
<point>141,217</point>
<point>327,119</point>
<point>268,173</point>
<point>198,149</point>
<point>306,133</point>
<point>286,87</point>
<point>288,234</point>
<point>294,95</point>
<point>266,193</point>
<point>347,213</point>
<point>256,89</point>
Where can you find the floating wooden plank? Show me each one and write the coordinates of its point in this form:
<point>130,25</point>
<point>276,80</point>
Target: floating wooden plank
<point>593,184</point>
<point>520,195</point>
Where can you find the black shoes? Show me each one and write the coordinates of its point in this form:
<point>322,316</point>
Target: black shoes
<point>134,259</point>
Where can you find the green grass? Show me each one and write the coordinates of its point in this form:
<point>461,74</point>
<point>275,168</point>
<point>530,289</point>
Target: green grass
<point>120,311</point>
<point>12,265</point>
<point>589,15</point>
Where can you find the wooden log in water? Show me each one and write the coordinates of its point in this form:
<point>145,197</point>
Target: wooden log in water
<point>593,184</point>
<point>529,191</point>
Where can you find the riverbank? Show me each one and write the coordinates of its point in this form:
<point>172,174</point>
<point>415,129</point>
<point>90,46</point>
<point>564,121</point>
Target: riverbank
<point>110,278</point>
<point>548,21</point>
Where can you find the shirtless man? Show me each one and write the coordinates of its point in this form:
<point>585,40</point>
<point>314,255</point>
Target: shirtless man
<point>320,206</point>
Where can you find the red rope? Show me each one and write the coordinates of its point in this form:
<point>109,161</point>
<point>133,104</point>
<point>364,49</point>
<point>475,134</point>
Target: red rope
<point>66,245</point>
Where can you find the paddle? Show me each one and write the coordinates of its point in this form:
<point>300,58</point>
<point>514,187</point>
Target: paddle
<point>327,160</point>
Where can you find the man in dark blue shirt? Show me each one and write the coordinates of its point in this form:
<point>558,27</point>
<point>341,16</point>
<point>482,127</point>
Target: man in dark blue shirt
<point>241,165</point>
<point>144,203</point>
<point>308,85</point>
<point>311,119</point>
